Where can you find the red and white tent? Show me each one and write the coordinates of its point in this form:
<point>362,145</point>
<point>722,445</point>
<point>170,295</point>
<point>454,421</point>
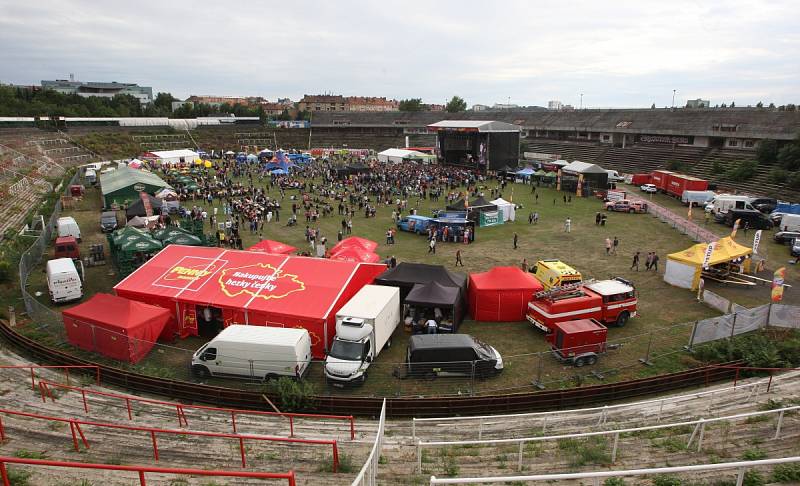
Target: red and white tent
<point>272,246</point>
<point>501,294</point>
<point>249,288</point>
<point>116,327</point>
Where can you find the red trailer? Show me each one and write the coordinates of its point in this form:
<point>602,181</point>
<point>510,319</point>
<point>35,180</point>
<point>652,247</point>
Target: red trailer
<point>640,179</point>
<point>680,182</point>
<point>661,179</point>
<point>578,342</point>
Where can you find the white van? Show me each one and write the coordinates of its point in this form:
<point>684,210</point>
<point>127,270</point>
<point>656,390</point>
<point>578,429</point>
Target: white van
<point>613,176</point>
<point>63,280</point>
<point>789,222</point>
<point>67,226</point>
<point>90,176</point>
<point>257,352</point>
<point>723,203</point>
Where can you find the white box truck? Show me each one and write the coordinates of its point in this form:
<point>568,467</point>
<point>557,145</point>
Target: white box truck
<point>63,280</point>
<point>723,203</point>
<point>790,222</point>
<point>697,198</point>
<point>256,352</point>
<point>67,226</point>
<point>364,326</point>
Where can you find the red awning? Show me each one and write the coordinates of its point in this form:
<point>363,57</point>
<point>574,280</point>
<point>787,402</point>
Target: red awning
<point>355,254</point>
<point>272,246</point>
<point>364,243</point>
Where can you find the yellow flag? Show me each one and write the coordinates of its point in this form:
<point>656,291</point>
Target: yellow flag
<point>690,209</point>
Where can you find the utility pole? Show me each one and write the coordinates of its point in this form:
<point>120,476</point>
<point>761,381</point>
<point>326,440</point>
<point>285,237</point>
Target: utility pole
<point>581,105</point>
<point>673,99</point>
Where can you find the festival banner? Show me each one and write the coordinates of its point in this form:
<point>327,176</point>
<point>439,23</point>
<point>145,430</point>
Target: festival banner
<point>707,256</point>
<point>735,227</point>
<point>756,241</point>
<point>777,284</point>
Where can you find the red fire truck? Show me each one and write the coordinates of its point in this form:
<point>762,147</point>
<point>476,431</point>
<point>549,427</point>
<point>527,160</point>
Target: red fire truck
<point>608,301</point>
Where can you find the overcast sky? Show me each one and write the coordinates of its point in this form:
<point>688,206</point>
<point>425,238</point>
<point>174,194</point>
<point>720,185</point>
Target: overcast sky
<point>617,53</point>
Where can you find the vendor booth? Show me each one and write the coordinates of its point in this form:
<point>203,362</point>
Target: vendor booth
<point>123,185</point>
<point>501,294</point>
<point>433,300</point>
<point>138,207</point>
<point>207,289</point>
<point>582,179</point>
<point>452,229</point>
<point>405,275</point>
<point>396,156</point>
<point>119,328</point>
<point>507,209</point>
<point>357,241</point>
<point>474,208</point>
<point>685,268</point>
<point>355,254</point>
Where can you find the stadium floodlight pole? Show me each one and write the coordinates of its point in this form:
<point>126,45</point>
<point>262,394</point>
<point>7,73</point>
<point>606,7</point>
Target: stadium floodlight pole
<point>581,105</point>
<point>673,98</point>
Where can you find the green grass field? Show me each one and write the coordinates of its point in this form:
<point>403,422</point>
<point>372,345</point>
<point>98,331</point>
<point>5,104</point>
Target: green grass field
<point>661,307</point>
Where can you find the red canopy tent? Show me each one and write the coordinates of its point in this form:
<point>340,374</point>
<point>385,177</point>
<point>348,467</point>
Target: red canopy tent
<point>116,327</point>
<point>501,294</point>
<point>357,241</point>
<point>272,246</point>
<point>244,287</point>
<point>355,254</point>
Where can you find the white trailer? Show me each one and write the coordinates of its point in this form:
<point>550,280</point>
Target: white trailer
<point>790,222</point>
<point>364,326</point>
<point>697,198</point>
<point>256,352</point>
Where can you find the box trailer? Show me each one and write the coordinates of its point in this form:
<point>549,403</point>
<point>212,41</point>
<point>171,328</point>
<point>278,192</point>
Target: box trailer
<point>641,179</point>
<point>364,326</point>
<point>680,182</point>
<point>578,342</point>
<point>661,179</point>
<point>255,352</point>
<point>697,198</point>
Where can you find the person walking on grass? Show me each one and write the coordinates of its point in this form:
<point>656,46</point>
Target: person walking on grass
<point>654,262</point>
<point>635,263</point>
<point>608,246</point>
<point>516,237</point>
<point>614,246</point>
<point>458,258</point>
<point>432,246</point>
<point>568,225</point>
<point>530,217</point>
<point>648,261</point>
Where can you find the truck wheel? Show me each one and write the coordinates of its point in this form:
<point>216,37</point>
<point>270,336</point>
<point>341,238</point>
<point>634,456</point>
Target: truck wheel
<point>591,360</point>
<point>580,362</point>
<point>622,319</point>
<point>200,371</point>
<point>388,343</point>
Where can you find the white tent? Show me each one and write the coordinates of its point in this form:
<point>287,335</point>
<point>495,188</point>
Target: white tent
<point>395,156</point>
<point>169,157</point>
<point>508,209</point>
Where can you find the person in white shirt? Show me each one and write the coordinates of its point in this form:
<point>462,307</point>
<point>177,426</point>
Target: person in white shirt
<point>431,327</point>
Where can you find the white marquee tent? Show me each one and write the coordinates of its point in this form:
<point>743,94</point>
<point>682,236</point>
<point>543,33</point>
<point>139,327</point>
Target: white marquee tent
<point>506,208</point>
<point>395,156</point>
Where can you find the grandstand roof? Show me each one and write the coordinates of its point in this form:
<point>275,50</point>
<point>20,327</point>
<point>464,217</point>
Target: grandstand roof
<point>483,126</point>
<point>722,122</point>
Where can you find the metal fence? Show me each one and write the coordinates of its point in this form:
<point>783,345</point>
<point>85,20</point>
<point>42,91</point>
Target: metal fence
<point>368,475</point>
<point>692,230</point>
<point>742,320</point>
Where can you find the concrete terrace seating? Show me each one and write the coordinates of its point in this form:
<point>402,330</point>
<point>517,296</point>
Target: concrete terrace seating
<point>311,463</point>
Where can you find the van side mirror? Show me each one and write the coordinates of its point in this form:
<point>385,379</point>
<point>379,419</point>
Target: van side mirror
<point>368,359</point>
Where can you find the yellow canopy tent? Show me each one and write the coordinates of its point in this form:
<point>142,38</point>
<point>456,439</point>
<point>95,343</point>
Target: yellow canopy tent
<point>684,267</point>
<point>198,161</point>
<point>207,164</point>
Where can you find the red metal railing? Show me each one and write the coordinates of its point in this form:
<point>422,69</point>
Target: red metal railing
<point>141,470</point>
<point>753,368</point>
<point>77,433</point>
<point>66,369</point>
<point>180,409</point>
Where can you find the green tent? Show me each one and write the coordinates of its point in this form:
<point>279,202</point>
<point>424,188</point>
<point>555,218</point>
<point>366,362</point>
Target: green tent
<point>551,174</point>
<point>166,233</point>
<point>540,173</point>
<point>183,239</point>
<point>123,185</point>
<point>118,235</point>
<point>142,245</point>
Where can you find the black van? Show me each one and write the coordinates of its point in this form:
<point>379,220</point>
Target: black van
<point>754,219</point>
<point>432,355</point>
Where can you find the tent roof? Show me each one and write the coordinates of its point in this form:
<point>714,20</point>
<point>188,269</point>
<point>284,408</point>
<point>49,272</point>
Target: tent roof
<point>579,167</point>
<point>504,278</point>
<point>501,202</point>
<point>272,246</point>
<point>479,202</point>
<point>355,254</point>
<point>170,154</point>
<point>725,250</point>
<point>364,243</point>
<point>414,273</point>
<point>525,171</point>
<point>433,294</point>
<point>404,153</point>
<point>137,207</point>
<point>125,177</point>
<point>116,312</point>
<point>281,285</point>
<point>482,126</point>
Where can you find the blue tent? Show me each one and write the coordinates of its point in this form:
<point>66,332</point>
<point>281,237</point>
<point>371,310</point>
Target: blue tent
<point>241,158</point>
<point>526,172</point>
<point>280,171</point>
<point>252,158</point>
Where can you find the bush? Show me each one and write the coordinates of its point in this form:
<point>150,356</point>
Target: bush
<point>664,480</point>
<point>769,349</point>
<point>786,473</point>
<point>614,482</point>
<point>6,274</point>
<point>742,171</point>
<point>778,176</point>
<point>676,165</point>
<point>753,478</point>
<point>18,477</point>
<point>295,395</point>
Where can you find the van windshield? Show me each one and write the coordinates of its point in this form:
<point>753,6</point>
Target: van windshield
<point>483,349</point>
<point>347,350</point>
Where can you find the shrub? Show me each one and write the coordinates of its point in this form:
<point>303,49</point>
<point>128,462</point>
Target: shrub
<point>6,274</point>
<point>778,176</point>
<point>786,473</point>
<point>742,171</point>
<point>753,455</point>
<point>18,477</point>
<point>664,480</point>
<point>675,165</point>
<point>753,478</point>
<point>295,395</point>
<point>614,482</point>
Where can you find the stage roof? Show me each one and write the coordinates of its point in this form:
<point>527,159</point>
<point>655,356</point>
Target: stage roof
<point>475,126</point>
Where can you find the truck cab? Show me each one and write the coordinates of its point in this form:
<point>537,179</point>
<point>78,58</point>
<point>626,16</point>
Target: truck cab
<point>352,351</point>
<point>66,247</point>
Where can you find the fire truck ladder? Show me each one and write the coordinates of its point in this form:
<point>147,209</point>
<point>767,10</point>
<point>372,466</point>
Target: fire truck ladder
<point>560,292</point>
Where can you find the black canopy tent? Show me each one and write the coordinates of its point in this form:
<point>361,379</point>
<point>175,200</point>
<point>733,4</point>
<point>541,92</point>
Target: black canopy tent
<point>477,206</point>
<point>433,295</point>
<point>137,208</point>
<point>405,275</point>
<point>348,170</point>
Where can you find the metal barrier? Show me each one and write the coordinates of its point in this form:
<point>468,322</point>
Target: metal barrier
<point>66,369</point>
<point>603,413</point>
<point>368,475</point>
<point>140,470</point>
<point>77,433</point>
<point>180,408</point>
<point>697,433</point>
<point>741,467</point>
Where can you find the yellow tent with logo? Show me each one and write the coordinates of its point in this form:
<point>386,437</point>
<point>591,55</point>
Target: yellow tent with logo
<point>685,267</point>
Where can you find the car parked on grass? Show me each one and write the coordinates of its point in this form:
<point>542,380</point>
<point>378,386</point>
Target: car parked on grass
<point>108,221</point>
<point>651,188</point>
<point>784,237</point>
<point>625,206</point>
